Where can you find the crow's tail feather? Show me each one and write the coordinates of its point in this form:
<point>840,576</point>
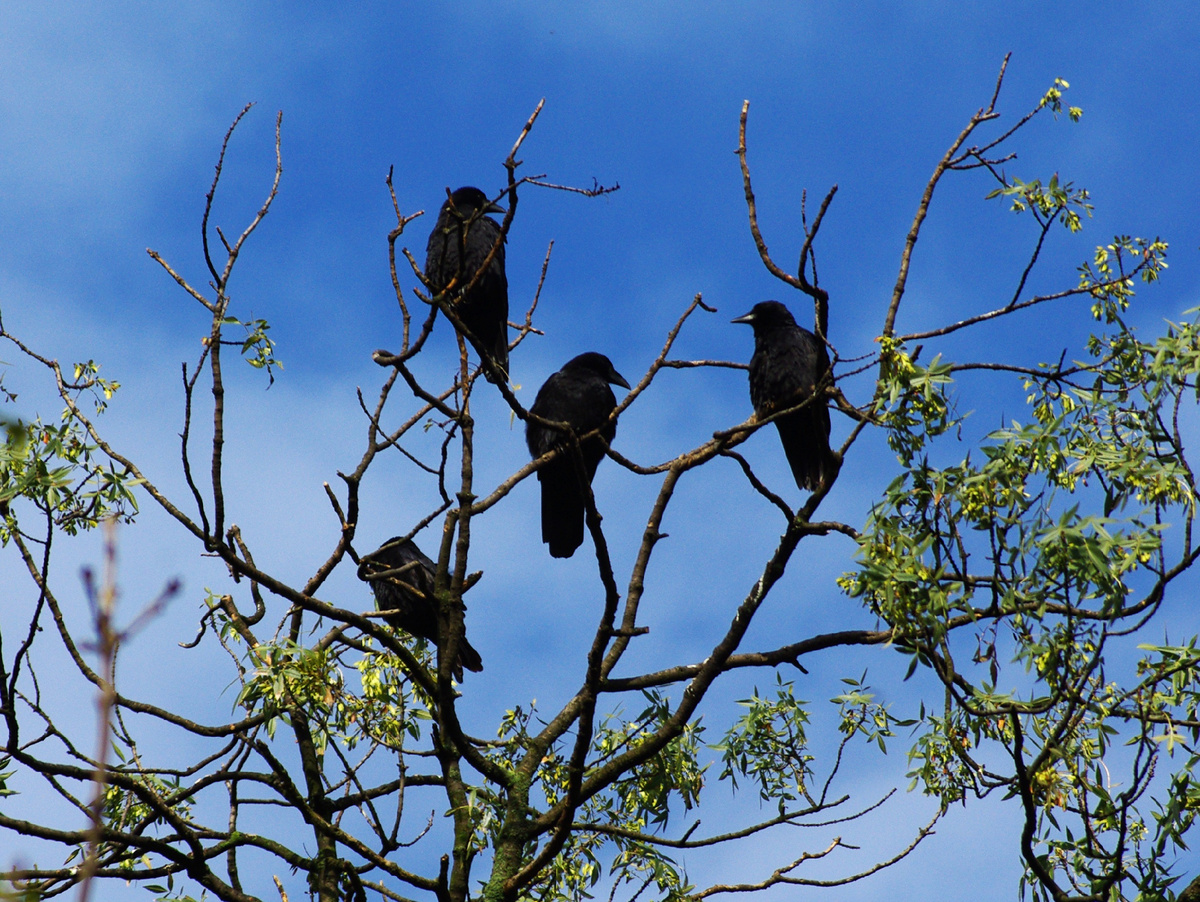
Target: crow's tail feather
<point>806,443</point>
<point>468,657</point>
<point>562,508</point>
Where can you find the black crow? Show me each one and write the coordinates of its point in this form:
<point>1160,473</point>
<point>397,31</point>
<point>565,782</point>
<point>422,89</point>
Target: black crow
<point>788,363</point>
<point>577,394</point>
<point>411,594</point>
<point>459,243</point>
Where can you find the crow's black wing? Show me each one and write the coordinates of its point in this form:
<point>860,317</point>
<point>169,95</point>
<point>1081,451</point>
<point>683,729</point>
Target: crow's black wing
<point>484,310</point>
<point>582,398</point>
<point>786,366</point>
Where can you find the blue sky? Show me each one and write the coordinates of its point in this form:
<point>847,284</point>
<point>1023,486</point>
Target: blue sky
<point>110,122</point>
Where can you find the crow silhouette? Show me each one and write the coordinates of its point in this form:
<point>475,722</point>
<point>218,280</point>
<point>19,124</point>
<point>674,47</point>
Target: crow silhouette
<point>460,242</point>
<point>578,395</point>
<point>787,364</point>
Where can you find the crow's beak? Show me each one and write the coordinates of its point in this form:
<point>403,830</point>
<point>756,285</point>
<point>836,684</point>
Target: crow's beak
<point>617,379</point>
<point>747,318</point>
<point>494,208</point>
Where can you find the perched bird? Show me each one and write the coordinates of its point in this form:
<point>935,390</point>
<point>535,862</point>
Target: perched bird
<point>577,394</point>
<point>460,241</point>
<point>788,363</point>
<point>410,594</point>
